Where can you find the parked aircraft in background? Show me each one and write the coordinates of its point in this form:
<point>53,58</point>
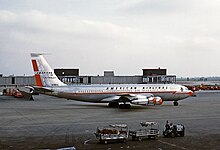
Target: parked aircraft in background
<point>116,95</point>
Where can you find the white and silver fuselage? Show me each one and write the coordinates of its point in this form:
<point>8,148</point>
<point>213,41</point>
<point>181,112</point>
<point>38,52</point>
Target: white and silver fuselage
<point>98,93</point>
<point>48,83</point>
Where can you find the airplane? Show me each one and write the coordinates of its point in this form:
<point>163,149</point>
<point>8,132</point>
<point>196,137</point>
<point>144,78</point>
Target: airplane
<point>116,95</point>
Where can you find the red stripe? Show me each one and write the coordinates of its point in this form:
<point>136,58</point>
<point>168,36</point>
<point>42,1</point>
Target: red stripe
<point>34,63</point>
<point>150,92</point>
<point>38,80</point>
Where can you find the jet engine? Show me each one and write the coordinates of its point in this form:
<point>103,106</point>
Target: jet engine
<point>159,101</point>
<point>148,100</point>
<point>140,101</point>
<point>155,100</point>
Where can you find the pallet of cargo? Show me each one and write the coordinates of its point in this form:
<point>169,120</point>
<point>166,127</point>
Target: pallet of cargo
<point>112,133</point>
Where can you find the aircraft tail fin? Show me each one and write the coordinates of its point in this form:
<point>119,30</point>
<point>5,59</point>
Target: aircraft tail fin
<point>43,73</point>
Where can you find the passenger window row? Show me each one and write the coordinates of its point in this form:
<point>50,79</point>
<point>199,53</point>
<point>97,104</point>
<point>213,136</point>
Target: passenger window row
<point>124,88</point>
<point>135,88</point>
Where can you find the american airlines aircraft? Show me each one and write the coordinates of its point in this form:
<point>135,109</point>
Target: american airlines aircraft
<point>116,95</point>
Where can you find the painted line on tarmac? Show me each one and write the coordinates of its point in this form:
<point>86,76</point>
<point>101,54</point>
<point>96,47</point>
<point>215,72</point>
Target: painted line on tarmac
<point>173,145</point>
<point>86,142</point>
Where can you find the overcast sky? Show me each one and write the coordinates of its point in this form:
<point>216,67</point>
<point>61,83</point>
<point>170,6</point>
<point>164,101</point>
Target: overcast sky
<point>121,35</point>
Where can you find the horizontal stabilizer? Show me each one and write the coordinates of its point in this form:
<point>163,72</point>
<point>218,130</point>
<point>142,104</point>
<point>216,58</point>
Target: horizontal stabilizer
<point>42,89</point>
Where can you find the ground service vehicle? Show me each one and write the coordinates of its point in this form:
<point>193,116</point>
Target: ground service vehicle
<point>112,133</point>
<point>175,131</point>
<point>149,130</point>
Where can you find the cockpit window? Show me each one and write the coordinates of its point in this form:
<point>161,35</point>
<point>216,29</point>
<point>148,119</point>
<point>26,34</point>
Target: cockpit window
<point>181,89</point>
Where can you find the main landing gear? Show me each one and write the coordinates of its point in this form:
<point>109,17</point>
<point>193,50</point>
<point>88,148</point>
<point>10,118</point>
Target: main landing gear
<point>113,104</point>
<point>175,103</point>
<point>125,106</point>
<point>117,105</point>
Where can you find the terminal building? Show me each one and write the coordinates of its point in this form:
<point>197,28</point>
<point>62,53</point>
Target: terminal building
<point>71,76</point>
<point>150,76</point>
<point>16,80</point>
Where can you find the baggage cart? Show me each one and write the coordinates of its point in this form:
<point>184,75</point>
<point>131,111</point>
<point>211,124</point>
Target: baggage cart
<point>112,133</point>
<point>149,130</point>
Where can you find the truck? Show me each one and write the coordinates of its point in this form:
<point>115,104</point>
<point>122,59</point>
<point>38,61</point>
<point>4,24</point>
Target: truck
<point>149,130</point>
<point>112,133</point>
<point>177,130</point>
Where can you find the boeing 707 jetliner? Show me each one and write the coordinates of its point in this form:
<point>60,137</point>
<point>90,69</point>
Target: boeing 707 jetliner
<point>116,95</point>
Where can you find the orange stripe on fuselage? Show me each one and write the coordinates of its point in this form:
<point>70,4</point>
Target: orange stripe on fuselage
<point>34,63</point>
<point>149,92</point>
<point>38,80</point>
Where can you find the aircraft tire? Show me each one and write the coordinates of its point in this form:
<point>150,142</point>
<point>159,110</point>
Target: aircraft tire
<point>128,106</point>
<point>139,138</point>
<point>175,103</point>
<point>121,106</point>
<point>172,134</point>
<point>124,106</point>
<point>182,133</point>
<point>133,138</point>
<point>113,104</point>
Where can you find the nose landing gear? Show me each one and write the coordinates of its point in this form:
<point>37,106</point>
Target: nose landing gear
<point>124,106</point>
<point>175,103</point>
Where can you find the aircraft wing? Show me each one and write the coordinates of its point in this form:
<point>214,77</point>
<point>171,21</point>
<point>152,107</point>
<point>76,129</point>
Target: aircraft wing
<point>43,89</point>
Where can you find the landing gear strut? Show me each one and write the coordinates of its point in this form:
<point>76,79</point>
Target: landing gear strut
<point>175,103</point>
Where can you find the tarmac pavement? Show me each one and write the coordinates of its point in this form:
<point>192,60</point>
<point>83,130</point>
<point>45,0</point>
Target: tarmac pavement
<point>51,123</point>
